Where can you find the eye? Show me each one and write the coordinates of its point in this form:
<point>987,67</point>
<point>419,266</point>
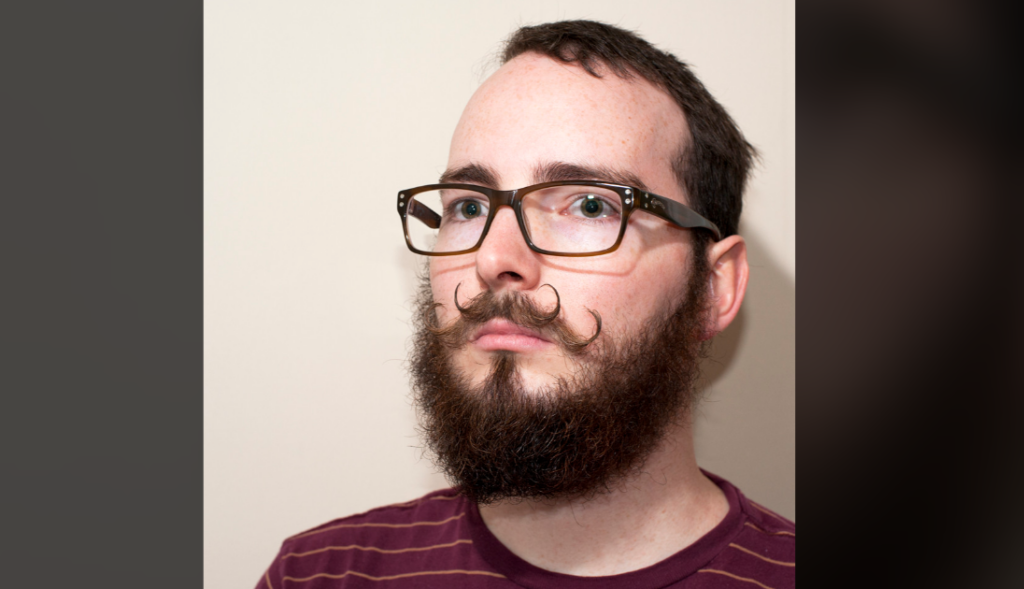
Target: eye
<point>470,209</point>
<point>467,209</point>
<point>593,207</point>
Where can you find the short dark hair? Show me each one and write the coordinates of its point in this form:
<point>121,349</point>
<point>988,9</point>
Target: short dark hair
<point>713,168</point>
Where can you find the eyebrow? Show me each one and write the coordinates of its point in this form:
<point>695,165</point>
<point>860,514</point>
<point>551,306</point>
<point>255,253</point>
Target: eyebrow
<point>564,171</point>
<point>549,172</point>
<point>471,174</point>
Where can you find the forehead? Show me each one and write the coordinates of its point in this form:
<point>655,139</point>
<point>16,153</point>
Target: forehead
<point>535,111</point>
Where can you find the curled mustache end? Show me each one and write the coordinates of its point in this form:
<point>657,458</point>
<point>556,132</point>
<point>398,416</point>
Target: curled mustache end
<point>447,334</point>
<point>545,319</point>
<point>431,316</point>
<point>578,346</point>
<point>461,309</point>
<point>516,308</point>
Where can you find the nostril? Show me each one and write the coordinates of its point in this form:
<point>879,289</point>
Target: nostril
<point>510,276</point>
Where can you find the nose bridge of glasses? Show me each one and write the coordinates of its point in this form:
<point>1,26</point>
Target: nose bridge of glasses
<point>501,198</point>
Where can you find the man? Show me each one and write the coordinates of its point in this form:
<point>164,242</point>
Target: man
<point>582,250</point>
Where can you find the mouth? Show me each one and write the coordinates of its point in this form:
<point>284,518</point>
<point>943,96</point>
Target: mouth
<point>501,334</point>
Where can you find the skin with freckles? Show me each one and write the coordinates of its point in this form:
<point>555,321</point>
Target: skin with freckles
<point>533,114</point>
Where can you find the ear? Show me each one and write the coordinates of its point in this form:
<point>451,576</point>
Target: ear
<point>728,281</point>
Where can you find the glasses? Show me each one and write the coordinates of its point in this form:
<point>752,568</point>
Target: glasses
<point>556,218</point>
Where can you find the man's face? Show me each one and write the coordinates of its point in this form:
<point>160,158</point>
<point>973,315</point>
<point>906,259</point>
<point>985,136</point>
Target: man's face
<point>522,126</point>
<point>513,403</point>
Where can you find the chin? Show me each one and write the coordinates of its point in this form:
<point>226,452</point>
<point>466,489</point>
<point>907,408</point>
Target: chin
<point>535,374</point>
<point>537,383</point>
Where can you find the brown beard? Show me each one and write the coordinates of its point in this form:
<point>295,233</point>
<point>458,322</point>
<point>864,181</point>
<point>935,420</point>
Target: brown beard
<point>574,439</point>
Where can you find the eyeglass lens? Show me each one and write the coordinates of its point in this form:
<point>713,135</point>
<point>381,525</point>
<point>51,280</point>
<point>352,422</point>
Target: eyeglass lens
<point>563,219</point>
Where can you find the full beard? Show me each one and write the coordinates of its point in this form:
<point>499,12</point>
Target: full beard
<point>574,439</point>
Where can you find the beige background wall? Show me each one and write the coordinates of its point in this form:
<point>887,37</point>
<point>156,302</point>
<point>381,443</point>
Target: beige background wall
<point>316,114</point>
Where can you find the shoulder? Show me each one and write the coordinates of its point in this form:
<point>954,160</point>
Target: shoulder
<point>761,547</point>
<point>762,519</point>
<point>766,532</point>
<point>419,539</point>
<point>435,510</point>
<point>754,515</point>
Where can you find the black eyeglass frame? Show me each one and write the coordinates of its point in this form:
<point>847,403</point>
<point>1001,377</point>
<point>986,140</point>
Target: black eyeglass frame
<point>632,199</point>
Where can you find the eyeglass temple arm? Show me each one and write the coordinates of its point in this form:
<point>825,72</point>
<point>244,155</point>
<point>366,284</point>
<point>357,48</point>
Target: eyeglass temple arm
<point>425,214</point>
<point>676,213</point>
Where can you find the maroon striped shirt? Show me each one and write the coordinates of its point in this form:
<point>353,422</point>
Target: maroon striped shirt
<point>440,541</point>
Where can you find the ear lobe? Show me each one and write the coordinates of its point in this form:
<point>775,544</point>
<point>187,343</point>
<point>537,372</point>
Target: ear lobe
<point>727,282</point>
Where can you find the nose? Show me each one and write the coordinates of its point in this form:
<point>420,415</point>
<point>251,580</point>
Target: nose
<point>504,260</point>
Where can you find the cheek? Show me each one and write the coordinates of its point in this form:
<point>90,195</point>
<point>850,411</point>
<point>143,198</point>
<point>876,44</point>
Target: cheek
<point>651,286</point>
<point>446,273</point>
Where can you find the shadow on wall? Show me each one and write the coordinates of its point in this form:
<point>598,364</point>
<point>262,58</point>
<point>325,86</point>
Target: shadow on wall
<point>745,426</point>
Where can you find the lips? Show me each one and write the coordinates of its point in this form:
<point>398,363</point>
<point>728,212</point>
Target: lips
<point>501,334</point>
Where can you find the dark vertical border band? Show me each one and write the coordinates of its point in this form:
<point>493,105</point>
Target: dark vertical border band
<point>101,410</point>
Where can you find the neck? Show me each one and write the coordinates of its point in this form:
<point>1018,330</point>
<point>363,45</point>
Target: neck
<point>650,516</point>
